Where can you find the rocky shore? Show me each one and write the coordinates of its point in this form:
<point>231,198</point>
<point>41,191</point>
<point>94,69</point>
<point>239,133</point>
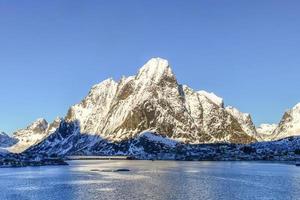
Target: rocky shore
<point>287,149</point>
<point>157,148</point>
<point>21,160</point>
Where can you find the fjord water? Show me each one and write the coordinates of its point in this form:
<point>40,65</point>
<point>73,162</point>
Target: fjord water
<point>152,180</point>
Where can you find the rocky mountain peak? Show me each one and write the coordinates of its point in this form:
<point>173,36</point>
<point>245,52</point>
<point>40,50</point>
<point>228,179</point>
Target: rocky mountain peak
<point>234,111</point>
<point>155,70</point>
<point>38,126</point>
<point>32,134</point>
<point>53,126</point>
<point>104,84</point>
<point>211,96</point>
<point>296,108</point>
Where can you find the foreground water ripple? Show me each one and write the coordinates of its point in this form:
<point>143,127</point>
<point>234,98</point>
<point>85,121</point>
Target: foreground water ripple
<point>152,180</point>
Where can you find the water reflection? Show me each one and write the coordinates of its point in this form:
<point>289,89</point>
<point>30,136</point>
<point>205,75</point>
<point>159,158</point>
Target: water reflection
<point>152,180</point>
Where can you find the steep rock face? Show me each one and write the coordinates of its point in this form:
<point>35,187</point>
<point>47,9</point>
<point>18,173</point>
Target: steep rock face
<point>34,133</point>
<point>289,124</point>
<point>92,111</point>
<point>151,101</point>
<point>209,114</point>
<point>245,120</point>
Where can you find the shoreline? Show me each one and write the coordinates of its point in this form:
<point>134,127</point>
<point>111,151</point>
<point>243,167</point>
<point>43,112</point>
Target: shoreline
<point>69,162</point>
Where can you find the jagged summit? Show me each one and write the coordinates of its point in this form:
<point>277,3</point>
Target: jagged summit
<point>296,107</point>
<point>104,83</point>
<point>39,124</point>
<point>32,134</point>
<point>154,67</point>
<point>155,70</point>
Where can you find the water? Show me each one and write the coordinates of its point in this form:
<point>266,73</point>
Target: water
<point>168,180</point>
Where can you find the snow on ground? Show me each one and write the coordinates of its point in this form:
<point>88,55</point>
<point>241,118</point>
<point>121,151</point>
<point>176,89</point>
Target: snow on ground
<point>158,138</point>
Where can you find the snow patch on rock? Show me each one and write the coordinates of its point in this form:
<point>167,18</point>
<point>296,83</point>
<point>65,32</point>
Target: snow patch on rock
<point>211,96</point>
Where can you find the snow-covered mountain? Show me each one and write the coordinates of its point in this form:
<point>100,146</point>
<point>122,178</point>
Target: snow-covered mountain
<point>34,133</point>
<point>265,131</point>
<point>289,124</point>
<point>154,100</point>
<point>245,120</point>
<point>151,101</point>
<point>148,113</point>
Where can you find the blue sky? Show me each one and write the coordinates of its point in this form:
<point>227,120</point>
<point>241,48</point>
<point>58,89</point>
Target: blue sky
<point>52,52</point>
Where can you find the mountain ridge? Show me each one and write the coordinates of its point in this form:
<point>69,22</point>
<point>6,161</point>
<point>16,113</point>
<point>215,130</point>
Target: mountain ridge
<point>151,101</point>
<point>154,81</point>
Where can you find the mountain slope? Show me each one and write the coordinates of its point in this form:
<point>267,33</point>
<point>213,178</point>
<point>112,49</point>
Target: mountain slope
<point>151,101</point>
<point>245,120</point>
<point>289,124</point>
<point>31,135</point>
<point>265,131</point>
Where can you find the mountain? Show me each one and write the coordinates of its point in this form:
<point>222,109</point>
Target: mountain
<point>6,140</point>
<point>118,113</point>
<point>153,100</point>
<point>34,133</point>
<point>265,131</point>
<point>245,121</point>
<point>289,124</point>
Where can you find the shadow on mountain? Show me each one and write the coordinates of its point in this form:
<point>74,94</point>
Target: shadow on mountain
<point>6,141</point>
<point>68,140</point>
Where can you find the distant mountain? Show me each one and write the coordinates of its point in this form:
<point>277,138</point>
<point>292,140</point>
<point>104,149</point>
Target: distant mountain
<point>151,101</point>
<point>265,131</point>
<point>34,133</point>
<point>6,140</point>
<point>289,124</point>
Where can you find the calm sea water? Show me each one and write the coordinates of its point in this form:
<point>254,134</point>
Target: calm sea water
<point>152,180</point>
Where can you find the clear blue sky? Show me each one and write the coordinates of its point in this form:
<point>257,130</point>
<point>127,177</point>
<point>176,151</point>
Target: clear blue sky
<point>52,52</point>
